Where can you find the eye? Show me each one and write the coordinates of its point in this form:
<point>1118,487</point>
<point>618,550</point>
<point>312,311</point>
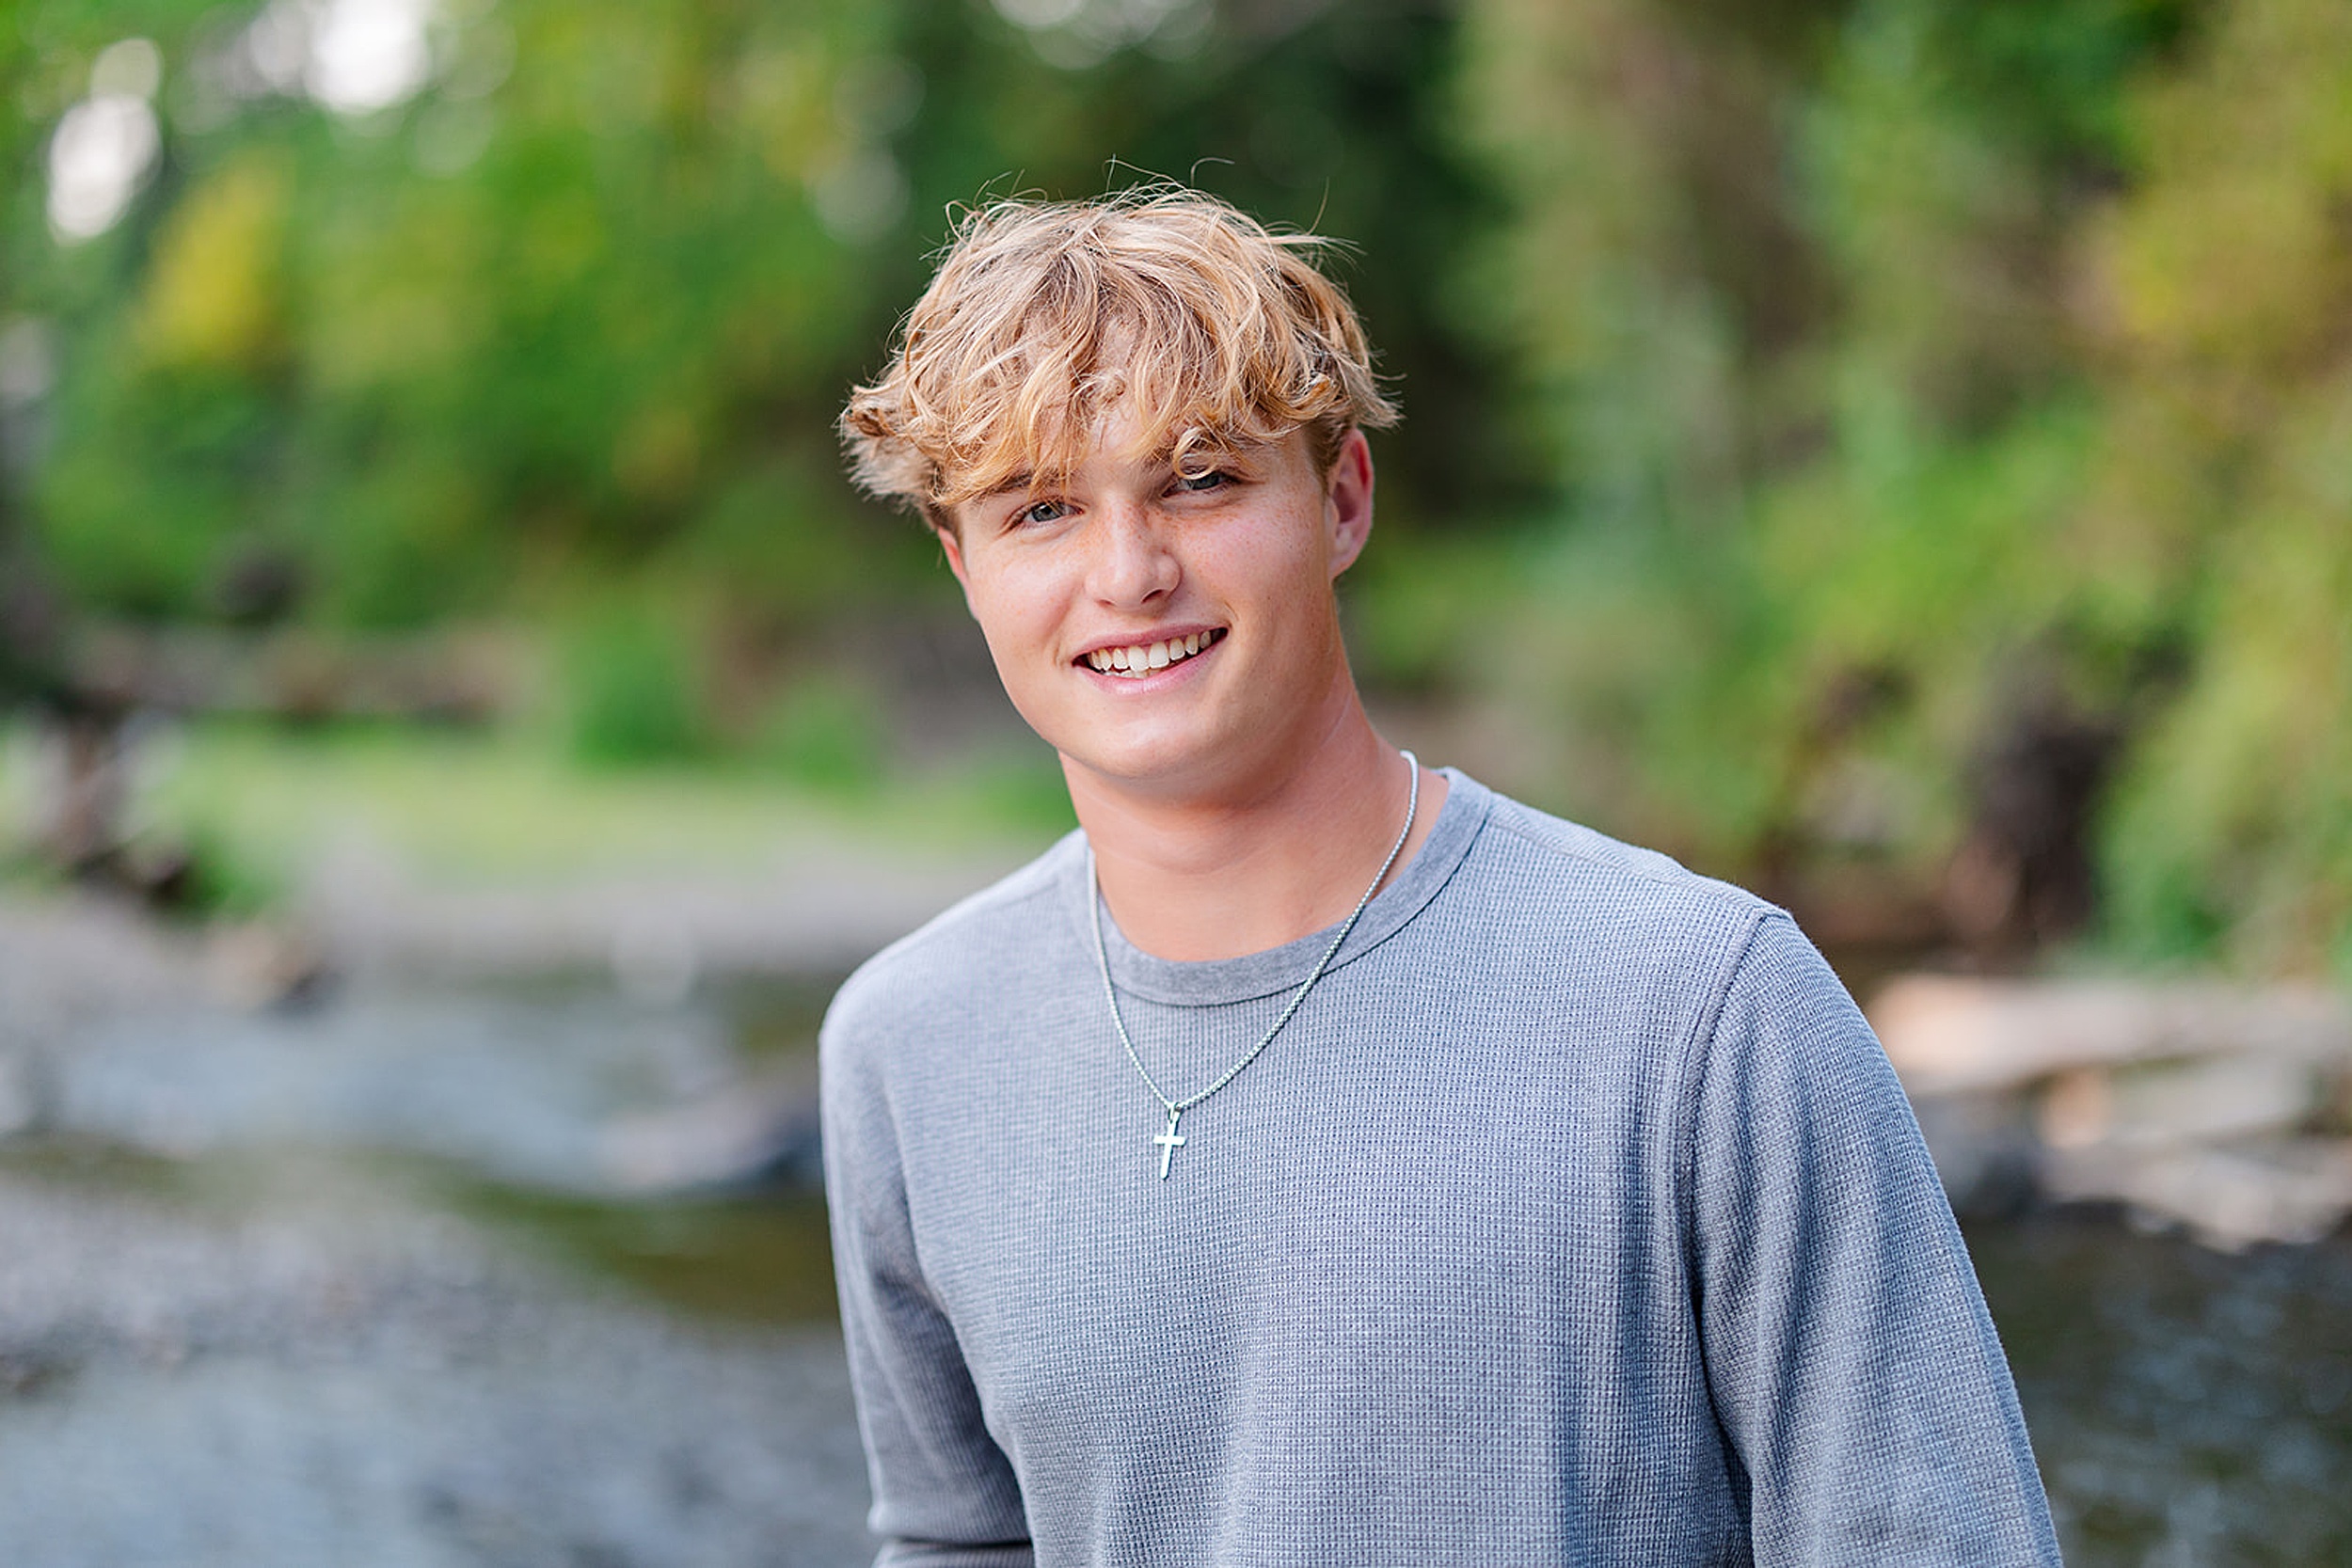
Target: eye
<point>1198,483</point>
<point>1042,512</point>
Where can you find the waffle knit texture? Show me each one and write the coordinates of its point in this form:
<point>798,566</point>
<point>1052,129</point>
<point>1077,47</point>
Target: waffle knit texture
<point>1576,1218</point>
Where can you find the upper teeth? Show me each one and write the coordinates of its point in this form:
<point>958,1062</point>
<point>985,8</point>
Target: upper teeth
<point>1144,658</point>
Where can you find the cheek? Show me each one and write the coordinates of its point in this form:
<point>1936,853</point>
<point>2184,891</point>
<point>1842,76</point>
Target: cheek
<point>1284,568</point>
<point>1016,613</point>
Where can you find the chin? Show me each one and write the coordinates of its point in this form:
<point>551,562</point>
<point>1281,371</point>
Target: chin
<point>1163,763</point>
<point>1136,765</point>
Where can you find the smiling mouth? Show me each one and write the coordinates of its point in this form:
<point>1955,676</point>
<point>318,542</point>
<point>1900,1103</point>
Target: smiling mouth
<point>1143,658</point>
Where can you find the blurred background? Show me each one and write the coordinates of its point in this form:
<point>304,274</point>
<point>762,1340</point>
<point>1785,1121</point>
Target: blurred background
<point>456,723</point>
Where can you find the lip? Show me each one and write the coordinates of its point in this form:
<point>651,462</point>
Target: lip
<point>1176,672</point>
<point>1145,639</point>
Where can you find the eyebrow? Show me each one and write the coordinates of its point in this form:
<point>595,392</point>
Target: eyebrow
<point>1016,484</point>
<point>1243,455</point>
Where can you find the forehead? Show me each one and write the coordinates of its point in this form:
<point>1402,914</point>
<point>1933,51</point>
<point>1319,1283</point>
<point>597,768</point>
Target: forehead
<point>1102,416</point>
<point>1120,449</point>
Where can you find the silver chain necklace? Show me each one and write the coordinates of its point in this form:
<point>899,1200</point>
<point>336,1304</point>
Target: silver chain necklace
<point>1170,1140</point>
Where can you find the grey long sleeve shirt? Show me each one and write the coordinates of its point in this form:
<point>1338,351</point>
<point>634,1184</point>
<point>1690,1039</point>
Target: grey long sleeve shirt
<point>1575,1218</point>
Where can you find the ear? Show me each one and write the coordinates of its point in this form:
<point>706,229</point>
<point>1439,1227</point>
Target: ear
<point>953,550</point>
<point>1348,501</point>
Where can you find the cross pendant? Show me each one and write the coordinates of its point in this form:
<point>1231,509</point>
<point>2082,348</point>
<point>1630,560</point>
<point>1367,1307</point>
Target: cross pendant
<point>1168,1141</point>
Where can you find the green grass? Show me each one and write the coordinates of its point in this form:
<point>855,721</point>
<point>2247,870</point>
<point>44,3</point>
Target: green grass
<point>259,804</point>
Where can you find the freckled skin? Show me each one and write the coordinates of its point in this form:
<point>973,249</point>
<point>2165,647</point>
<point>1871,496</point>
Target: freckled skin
<point>1134,552</point>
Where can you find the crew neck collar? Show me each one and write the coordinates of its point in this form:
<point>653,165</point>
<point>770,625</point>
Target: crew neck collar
<point>1213,981</point>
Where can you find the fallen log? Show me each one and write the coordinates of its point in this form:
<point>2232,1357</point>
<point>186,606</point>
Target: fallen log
<point>1951,1034</point>
<point>2222,1108</point>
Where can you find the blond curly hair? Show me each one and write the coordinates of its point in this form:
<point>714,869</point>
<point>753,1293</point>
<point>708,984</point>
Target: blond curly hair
<point>1217,333</point>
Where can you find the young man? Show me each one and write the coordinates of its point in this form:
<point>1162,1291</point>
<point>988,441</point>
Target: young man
<point>1317,1159</point>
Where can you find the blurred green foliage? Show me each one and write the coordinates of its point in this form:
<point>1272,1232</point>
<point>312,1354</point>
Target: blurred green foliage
<point>1910,437</point>
<point>826,734</point>
<point>635,693</point>
<point>1943,391</point>
<point>586,304</point>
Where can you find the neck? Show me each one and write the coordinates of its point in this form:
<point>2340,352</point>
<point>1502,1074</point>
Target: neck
<point>1253,864</point>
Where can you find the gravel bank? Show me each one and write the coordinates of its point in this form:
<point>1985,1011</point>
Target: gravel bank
<point>335,1378</point>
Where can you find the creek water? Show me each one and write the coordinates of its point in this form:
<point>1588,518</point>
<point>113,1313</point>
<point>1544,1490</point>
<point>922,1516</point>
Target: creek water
<point>387,1281</point>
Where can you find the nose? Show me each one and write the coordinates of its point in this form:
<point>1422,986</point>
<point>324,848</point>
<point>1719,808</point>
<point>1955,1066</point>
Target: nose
<point>1132,565</point>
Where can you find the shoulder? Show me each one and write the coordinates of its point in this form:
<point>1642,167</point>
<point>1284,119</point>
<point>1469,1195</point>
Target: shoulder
<point>983,943</point>
<point>1575,849</point>
<point>1616,904</point>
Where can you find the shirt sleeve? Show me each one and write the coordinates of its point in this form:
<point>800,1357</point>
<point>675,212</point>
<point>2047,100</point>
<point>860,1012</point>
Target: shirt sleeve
<point>1852,1361</point>
<point>945,1495</point>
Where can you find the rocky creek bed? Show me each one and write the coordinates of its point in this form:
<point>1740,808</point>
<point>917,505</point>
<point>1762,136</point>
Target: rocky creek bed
<point>382,1277</point>
<point>308,1372</point>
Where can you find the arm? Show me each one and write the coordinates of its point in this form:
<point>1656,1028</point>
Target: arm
<point>1851,1358</point>
<point>945,1496</point>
